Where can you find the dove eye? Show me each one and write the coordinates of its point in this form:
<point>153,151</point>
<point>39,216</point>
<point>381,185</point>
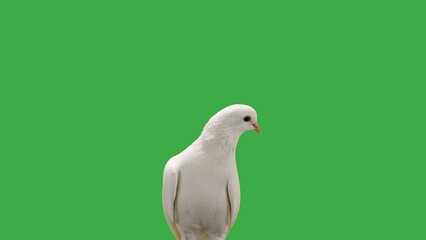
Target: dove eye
<point>246,118</point>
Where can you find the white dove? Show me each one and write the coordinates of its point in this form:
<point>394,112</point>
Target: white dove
<point>201,189</point>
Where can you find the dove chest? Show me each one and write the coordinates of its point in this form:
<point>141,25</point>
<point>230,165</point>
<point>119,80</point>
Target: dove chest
<point>202,198</point>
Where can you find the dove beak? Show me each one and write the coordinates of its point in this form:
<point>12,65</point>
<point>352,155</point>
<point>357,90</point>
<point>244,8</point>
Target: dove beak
<point>256,128</point>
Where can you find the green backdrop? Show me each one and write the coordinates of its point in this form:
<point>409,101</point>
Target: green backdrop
<point>96,96</point>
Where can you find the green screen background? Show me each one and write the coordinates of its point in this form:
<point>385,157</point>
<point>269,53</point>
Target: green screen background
<point>96,96</point>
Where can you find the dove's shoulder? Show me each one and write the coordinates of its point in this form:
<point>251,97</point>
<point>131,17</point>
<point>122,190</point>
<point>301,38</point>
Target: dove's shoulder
<point>175,163</point>
<point>172,165</point>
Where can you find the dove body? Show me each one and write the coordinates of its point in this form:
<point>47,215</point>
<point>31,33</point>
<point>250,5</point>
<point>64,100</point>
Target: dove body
<point>201,190</point>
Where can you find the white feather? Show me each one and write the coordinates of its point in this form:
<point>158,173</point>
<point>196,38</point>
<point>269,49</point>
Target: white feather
<point>201,189</point>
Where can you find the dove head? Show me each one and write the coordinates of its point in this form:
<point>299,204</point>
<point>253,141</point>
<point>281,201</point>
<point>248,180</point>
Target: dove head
<point>232,121</point>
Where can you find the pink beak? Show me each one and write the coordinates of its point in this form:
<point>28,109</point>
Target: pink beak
<point>256,128</point>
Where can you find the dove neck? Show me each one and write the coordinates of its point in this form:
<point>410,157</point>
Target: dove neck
<point>223,142</point>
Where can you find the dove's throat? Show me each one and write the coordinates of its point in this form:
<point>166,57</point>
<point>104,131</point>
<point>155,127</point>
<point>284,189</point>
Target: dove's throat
<point>221,142</point>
